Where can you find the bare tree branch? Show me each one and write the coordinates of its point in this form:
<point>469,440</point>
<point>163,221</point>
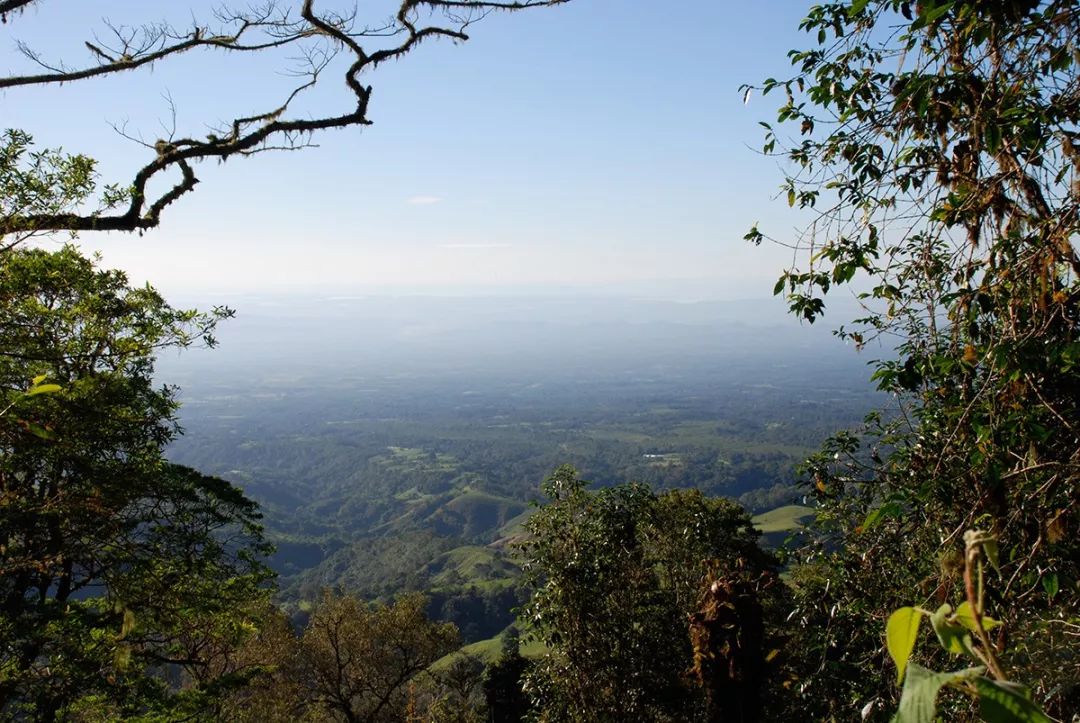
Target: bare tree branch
<point>7,6</point>
<point>322,36</point>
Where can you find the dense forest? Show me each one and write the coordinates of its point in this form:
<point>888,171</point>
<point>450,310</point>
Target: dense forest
<point>663,513</point>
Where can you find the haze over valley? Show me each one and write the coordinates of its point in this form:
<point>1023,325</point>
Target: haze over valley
<point>395,442</point>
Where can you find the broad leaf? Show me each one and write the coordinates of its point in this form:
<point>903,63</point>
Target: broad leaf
<point>857,6</point>
<point>901,631</point>
<point>918,701</point>
<point>954,637</point>
<point>1004,702</point>
<point>966,617</point>
<point>1050,585</point>
<point>889,509</point>
<point>990,547</point>
<point>36,429</point>
<point>43,389</point>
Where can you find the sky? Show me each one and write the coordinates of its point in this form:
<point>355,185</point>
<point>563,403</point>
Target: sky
<point>597,145</point>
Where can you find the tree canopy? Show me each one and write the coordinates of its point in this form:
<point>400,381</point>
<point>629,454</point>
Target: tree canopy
<point>937,146</point>
<point>354,661</point>
<point>617,575</point>
<point>114,563</point>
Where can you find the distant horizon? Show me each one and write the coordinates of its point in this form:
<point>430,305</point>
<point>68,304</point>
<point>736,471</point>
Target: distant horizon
<point>677,291</point>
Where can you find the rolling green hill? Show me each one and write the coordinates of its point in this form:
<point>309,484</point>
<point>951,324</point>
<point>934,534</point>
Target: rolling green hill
<point>783,519</point>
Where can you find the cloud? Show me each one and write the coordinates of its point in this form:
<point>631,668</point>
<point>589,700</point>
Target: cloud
<point>475,246</point>
<point>424,200</point>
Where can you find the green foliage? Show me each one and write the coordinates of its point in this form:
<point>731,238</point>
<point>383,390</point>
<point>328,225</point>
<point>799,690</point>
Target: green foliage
<point>999,700</point>
<point>616,573</point>
<point>43,183</point>
<point>938,144</point>
<point>353,661</point>
<point>504,682</point>
<point>457,695</point>
<point>901,632</point>
<point>116,567</point>
<point>918,702</point>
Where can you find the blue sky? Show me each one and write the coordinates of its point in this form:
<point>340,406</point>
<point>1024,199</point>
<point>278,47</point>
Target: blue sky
<point>599,144</point>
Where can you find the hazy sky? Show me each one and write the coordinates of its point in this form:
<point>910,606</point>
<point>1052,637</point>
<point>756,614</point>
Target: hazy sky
<point>599,143</point>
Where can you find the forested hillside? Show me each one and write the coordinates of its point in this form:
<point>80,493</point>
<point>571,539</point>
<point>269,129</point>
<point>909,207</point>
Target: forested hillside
<point>389,472</point>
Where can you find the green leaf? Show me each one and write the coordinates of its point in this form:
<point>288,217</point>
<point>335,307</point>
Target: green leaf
<point>128,624</point>
<point>1050,585</point>
<point>857,6</point>
<point>37,430</point>
<point>122,657</point>
<point>1004,702</point>
<point>966,617</point>
<point>43,389</point>
<point>918,700</point>
<point>990,547</point>
<point>954,638</point>
<point>38,379</point>
<point>932,14</point>
<point>901,632</point>
<point>889,509</point>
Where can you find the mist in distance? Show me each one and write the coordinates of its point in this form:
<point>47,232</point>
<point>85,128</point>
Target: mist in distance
<point>344,346</point>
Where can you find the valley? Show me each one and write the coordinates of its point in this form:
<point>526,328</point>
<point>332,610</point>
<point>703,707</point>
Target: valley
<point>391,474</point>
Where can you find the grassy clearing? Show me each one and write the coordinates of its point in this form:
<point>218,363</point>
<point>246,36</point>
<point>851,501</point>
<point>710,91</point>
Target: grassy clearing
<point>664,460</point>
<point>472,564</point>
<point>414,459</point>
<point>475,514</point>
<point>489,651</point>
<point>783,519</point>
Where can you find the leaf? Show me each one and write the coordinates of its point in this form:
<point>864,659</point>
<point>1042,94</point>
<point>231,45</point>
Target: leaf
<point>43,389</point>
<point>889,509</point>
<point>954,638</point>
<point>122,657</point>
<point>901,632</point>
<point>990,547</point>
<point>918,700</point>
<point>1004,702</point>
<point>857,6</point>
<point>128,624</point>
<point>966,617</point>
<point>36,429</point>
<point>1050,585</point>
<point>38,379</point>
<point>937,12</point>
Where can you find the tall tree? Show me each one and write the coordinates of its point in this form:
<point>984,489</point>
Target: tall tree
<point>353,662</point>
<point>113,562</point>
<point>937,145</point>
<point>617,574</point>
<point>504,680</point>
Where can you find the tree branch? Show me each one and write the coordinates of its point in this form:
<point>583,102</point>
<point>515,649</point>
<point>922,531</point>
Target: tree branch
<point>257,132</point>
<point>7,6</point>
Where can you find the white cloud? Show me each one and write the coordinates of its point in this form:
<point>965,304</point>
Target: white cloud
<point>475,246</point>
<point>424,200</point>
